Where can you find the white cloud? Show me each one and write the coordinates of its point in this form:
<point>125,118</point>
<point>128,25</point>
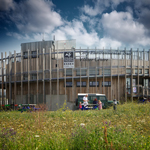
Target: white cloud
<point>100,5</point>
<point>6,5</point>
<point>18,36</point>
<point>122,27</point>
<point>35,16</point>
<point>76,30</point>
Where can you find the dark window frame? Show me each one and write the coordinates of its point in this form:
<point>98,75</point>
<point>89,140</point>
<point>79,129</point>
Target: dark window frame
<point>82,85</point>
<point>93,85</point>
<point>106,85</point>
<point>68,84</point>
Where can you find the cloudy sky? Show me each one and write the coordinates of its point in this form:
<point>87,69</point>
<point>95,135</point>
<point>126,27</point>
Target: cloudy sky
<point>93,23</point>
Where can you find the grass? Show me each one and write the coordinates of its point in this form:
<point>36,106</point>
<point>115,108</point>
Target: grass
<point>126,128</point>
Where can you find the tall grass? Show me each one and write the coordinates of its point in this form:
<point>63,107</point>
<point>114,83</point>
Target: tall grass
<point>126,128</point>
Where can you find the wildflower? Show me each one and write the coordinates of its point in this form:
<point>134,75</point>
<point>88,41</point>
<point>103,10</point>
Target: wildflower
<point>82,124</point>
<point>37,136</point>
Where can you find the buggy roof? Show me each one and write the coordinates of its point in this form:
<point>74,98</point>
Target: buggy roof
<point>96,94</point>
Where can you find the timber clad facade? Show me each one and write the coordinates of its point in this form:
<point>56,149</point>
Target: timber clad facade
<point>37,71</point>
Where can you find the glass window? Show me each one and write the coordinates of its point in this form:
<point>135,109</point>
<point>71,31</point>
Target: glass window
<point>127,82</point>
<point>128,71</point>
<point>25,55</point>
<point>68,72</point>
<point>83,84</point>
<point>83,72</point>
<point>93,84</point>
<point>33,76</point>
<point>146,71</point>
<point>25,77</point>
<point>106,84</point>
<point>146,82</point>
<point>134,82</point>
<point>93,71</point>
<point>106,72</point>
<point>34,54</point>
<point>136,71</point>
<point>68,84</point>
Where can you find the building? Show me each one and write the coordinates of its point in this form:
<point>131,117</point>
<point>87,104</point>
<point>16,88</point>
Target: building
<point>53,71</point>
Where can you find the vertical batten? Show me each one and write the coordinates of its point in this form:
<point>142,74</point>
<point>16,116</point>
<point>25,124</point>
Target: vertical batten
<point>14,77</point>
<point>9,102</point>
<point>125,75</point>
<point>50,80</point>
<point>28,76</point>
<point>131,75</point>
<point>57,75</point>
<point>111,71</point>
<point>149,62</point>
<point>103,74</point>
<point>37,70</point>
<point>118,78</point>
<point>6,75</point>
<point>80,69</point>
<point>96,69</point>
<point>88,70</point>
<point>138,72</point>
<point>2,73</point>
<point>21,76</point>
<point>43,75</point>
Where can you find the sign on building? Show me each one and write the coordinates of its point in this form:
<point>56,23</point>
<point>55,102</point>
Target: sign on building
<point>68,59</point>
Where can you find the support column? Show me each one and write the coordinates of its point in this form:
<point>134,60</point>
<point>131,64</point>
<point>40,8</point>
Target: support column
<point>28,77</point>
<point>10,69</point>
<point>118,78</point>
<point>125,75</point>
<point>50,78</point>
<point>111,71</point>
<point>57,75</point>
<point>103,74</point>
<point>80,69</point>
<point>43,75</point>
<point>131,75</point>
<point>14,77</point>
<point>21,77</point>
<point>96,69</point>
<point>138,71</point>
<point>2,67</point>
<point>6,77</point>
<point>37,80</point>
<point>88,71</point>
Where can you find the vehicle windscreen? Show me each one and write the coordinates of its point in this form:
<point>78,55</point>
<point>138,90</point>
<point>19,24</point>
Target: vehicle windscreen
<point>103,98</point>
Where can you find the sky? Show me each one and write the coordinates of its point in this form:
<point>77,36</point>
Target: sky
<point>115,24</point>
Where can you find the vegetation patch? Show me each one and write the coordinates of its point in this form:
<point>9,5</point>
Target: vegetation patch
<point>126,128</point>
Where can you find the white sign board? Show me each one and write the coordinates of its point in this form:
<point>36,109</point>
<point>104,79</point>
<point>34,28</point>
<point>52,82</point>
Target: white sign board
<point>69,59</point>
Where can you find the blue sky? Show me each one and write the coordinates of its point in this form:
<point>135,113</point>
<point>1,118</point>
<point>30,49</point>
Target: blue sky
<point>93,23</point>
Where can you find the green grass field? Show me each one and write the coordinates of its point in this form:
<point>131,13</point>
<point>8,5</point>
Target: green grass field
<point>126,128</point>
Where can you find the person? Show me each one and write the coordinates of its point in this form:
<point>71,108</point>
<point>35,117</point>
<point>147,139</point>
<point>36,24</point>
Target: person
<point>80,106</point>
<point>115,104</point>
<point>95,102</point>
<point>99,105</point>
<point>85,101</point>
